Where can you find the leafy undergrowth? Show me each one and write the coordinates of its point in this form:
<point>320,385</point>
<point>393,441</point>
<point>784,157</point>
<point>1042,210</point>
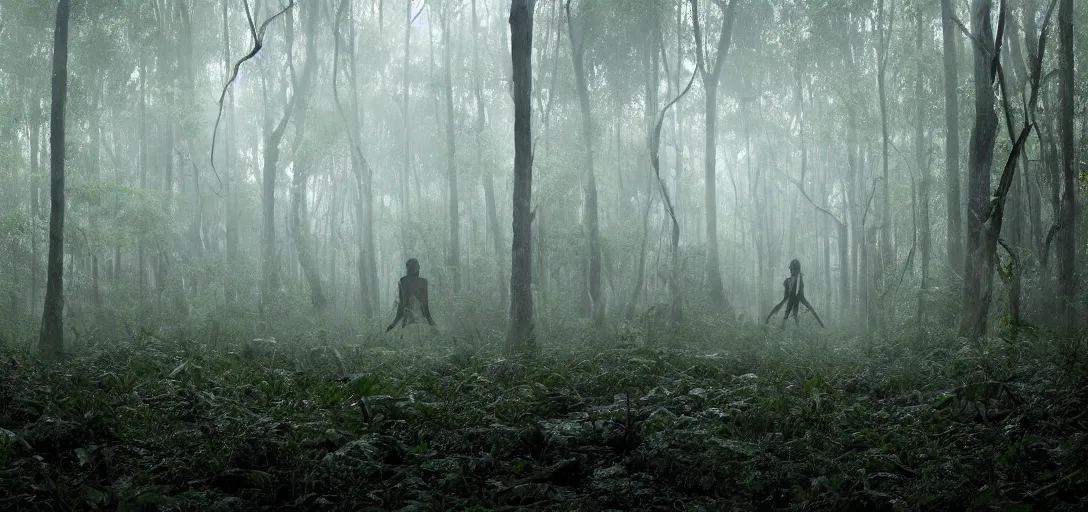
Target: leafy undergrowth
<point>776,422</point>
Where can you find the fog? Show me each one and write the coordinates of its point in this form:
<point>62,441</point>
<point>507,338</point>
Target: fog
<point>271,166</point>
<point>415,255</point>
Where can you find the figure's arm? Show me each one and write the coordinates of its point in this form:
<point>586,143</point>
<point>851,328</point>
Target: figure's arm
<point>810,308</point>
<point>401,305</point>
<point>425,304</point>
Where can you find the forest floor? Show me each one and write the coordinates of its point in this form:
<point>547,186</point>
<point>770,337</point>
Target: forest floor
<point>770,420</point>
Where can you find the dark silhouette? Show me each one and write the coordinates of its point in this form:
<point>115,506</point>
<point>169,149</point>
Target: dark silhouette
<point>793,295</point>
<point>412,293</point>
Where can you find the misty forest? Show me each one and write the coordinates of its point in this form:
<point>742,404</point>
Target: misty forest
<point>543,255</point>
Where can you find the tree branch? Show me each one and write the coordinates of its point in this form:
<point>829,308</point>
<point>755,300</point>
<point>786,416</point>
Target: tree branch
<point>969,35</point>
<point>258,43</point>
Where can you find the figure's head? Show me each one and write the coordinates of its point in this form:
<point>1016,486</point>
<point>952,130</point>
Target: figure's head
<point>413,267</point>
<point>795,267</point>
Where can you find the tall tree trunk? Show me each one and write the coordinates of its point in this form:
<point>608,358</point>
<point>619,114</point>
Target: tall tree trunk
<point>368,247</point>
<point>453,256</point>
<point>1031,180</point>
<point>921,162</point>
<point>141,257</point>
<point>270,271</point>
<point>366,264</point>
<point>954,219</point>
<point>841,226</point>
<point>651,61</point>
<point>857,203</point>
<point>887,252</point>
<point>488,181</point>
<point>520,337</point>
<point>228,177</point>
<point>406,171</point>
<point>589,190</point>
<point>679,140</point>
<point>51,338</point>
<point>1067,251</point>
<point>299,224</point>
<point>35,200</point>
<point>711,79</point>
<point>166,63</point>
<point>96,172</point>
<point>493,227</point>
<point>196,241</point>
<point>979,266</point>
<point>301,238</point>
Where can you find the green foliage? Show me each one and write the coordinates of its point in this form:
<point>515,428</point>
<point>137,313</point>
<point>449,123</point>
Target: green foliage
<point>784,420</point>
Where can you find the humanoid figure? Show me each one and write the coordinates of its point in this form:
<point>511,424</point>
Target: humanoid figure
<point>412,295</point>
<point>793,296</point>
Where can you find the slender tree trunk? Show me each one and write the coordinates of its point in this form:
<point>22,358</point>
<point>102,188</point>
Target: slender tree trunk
<point>270,267</point>
<point>954,219</point>
<point>488,181</point>
<point>520,337</point>
<point>141,257</point>
<point>407,169</point>
<point>369,248</point>
<point>166,63</point>
<point>887,252</point>
<point>51,339</point>
<point>35,202</point>
<point>300,236</point>
<point>299,224</point>
<point>96,173</point>
<point>1068,235</point>
<point>453,256</point>
<point>493,227</point>
<point>923,166</point>
<point>711,79</point>
<point>228,159</point>
<point>1031,171</point>
<point>979,267</point>
<point>577,41</point>
<point>713,263</point>
<point>678,128</point>
<point>652,63</point>
<point>855,208</point>
<point>366,264</point>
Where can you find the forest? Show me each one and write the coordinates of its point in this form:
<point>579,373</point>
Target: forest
<point>526,255</point>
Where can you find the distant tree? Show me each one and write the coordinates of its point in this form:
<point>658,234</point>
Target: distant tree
<point>711,73</point>
<point>453,256</point>
<point>270,272</point>
<point>298,225</point>
<point>921,160</point>
<point>51,341</point>
<point>952,137</point>
<point>1067,250</point>
<point>578,30</point>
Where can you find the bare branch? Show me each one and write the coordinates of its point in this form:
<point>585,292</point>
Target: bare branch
<point>969,35</point>
<point>655,141</point>
<point>813,203</point>
<point>258,43</point>
<point>997,40</point>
